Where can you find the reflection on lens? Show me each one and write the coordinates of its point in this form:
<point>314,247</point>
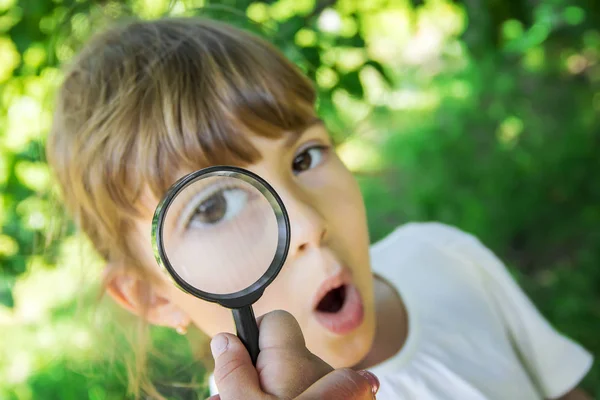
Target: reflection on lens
<point>220,234</point>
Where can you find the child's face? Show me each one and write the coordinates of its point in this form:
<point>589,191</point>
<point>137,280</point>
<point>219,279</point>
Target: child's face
<point>329,249</point>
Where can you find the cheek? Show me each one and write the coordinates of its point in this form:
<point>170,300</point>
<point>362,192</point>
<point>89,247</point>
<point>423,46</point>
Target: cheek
<point>284,293</point>
<point>346,216</point>
<point>210,318</point>
<point>343,204</point>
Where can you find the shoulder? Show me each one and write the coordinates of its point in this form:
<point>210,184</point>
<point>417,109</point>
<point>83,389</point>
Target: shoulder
<point>430,234</point>
<point>430,245</point>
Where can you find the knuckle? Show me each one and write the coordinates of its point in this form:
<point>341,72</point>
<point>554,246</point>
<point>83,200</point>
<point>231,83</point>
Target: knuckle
<point>285,373</point>
<point>227,370</point>
<point>282,315</point>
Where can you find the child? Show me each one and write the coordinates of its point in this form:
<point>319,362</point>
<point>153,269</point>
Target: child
<point>428,309</point>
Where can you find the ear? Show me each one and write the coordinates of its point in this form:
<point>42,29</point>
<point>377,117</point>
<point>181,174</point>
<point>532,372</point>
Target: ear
<point>143,298</point>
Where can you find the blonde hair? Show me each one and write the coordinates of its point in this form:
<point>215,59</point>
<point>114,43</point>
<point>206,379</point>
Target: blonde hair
<point>146,99</point>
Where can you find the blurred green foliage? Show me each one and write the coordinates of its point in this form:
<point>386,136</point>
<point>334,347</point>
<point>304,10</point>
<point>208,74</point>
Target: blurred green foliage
<point>482,114</point>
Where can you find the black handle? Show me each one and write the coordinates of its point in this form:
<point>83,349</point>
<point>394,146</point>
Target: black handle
<point>247,330</point>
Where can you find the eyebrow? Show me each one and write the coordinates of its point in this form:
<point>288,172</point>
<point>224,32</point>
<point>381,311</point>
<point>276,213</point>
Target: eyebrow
<point>292,139</point>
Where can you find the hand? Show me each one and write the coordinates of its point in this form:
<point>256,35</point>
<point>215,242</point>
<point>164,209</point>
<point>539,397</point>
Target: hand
<point>285,369</point>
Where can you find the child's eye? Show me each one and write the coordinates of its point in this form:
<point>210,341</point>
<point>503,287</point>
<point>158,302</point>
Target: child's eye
<point>221,206</point>
<point>309,159</point>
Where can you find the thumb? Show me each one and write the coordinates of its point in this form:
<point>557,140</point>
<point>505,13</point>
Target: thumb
<point>234,374</point>
<point>285,366</point>
<point>343,384</point>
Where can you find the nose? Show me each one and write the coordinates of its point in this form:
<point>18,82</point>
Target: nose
<point>308,226</point>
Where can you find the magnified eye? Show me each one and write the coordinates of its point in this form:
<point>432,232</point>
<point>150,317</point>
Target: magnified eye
<point>221,206</point>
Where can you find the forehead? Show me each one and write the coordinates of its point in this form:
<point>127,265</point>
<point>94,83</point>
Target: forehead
<point>266,147</point>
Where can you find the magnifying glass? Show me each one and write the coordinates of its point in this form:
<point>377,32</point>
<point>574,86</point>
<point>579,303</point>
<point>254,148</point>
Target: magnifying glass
<point>223,234</point>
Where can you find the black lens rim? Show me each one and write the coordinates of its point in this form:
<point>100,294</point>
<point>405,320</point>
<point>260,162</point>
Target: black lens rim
<point>252,293</point>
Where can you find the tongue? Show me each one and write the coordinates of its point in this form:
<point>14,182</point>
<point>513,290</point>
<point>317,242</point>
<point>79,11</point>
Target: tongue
<point>333,300</point>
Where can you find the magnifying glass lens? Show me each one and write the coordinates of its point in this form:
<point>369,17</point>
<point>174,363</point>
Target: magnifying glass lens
<point>220,234</point>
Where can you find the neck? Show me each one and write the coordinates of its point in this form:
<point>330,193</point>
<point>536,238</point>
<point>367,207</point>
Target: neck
<point>391,328</point>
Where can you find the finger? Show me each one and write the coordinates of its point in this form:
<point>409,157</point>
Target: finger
<point>343,384</point>
<point>279,329</point>
<point>234,374</point>
<point>285,366</point>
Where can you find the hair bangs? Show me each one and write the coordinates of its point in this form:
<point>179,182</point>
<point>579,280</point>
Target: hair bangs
<point>202,98</point>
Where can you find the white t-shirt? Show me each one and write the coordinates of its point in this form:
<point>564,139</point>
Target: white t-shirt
<point>472,334</point>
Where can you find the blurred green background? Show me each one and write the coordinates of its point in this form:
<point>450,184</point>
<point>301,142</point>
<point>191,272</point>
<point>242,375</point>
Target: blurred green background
<point>484,114</point>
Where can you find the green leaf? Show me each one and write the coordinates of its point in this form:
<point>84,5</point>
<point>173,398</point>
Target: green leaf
<point>351,82</point>
<point>6,297</point>
<point>381,70</point>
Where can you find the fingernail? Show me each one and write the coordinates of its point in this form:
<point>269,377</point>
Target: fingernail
<point>372,380</point>
<point>218,345</point>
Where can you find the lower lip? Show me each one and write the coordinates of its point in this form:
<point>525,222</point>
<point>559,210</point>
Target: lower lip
<point>348,318</point>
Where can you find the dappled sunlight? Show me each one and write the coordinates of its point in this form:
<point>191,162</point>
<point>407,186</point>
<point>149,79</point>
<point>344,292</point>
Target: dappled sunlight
<point>24,123</point>
<point>360,155</point>
<point>8,246</point>
<point>34,175</point>
<point>44,334</point>
<point>445,111</point>
<point>43,288</point>
<point>258,12</point>
<point>10,58</point>
<point>411,99</point>
<point>509,131</point>
<point>150,8</point>
<point>330,21</point>
<point>348,107</point>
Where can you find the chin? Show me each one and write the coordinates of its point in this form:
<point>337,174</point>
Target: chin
<point>346,351</point>
<point>352,351</point>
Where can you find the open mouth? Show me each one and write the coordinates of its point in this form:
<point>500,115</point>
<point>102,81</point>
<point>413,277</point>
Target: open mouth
<point>333,301</point>
<point>338,305</point>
